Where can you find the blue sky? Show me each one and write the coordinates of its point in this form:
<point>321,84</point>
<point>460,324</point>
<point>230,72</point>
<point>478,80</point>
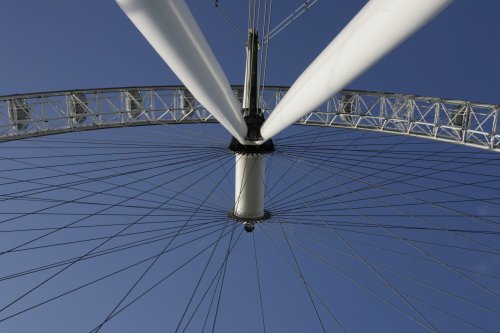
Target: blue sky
<point>81,44</point>
<point>69,44</point>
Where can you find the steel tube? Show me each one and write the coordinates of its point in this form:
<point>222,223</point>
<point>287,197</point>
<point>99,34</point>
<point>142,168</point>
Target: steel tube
<point>249,186</point>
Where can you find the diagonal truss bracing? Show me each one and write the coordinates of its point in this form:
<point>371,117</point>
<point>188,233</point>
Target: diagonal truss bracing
<point>457,121</point>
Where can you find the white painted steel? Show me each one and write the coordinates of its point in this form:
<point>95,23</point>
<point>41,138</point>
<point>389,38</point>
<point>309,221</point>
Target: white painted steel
<point>462,122</point>
<point>171,29</point>
<point>376,30</point>
<point>249,186</point>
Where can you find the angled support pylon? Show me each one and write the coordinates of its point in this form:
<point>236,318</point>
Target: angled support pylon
<point>376,30</point>
<point>171,29</point>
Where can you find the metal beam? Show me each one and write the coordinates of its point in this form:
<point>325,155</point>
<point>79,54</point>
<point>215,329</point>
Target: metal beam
<point>172,31</point>
<point>425,117</point>
<point>379,27</point>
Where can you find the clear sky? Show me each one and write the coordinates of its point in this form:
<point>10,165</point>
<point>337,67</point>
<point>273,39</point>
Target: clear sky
<point>69,44</point>
<point>50,45</point>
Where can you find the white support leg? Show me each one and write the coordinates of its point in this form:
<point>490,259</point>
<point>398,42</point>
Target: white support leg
<point>172,31</point>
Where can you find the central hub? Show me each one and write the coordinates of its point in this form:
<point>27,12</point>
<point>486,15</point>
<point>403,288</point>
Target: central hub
<point>254,122</point>
<point>250,182</point>
<point>250,156</point>
<point>249,223</point>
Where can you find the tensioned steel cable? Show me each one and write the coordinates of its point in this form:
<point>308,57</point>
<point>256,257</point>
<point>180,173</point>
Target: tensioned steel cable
<point>214,294</point>
<point>295,270</point>
<point>186,308</point>
<point>185,152</point>
<point>399,309</point>
<point>309,228</point>
<point>375,163</point>
<point>289,19</point>
<point>393,166</point>
<point>219,297</point>
<point>144,273</point>
<point>86,240</point>
<point>85,181</point>
<point>276,200</point>
<point>327,262</point>
<point>80,175</point>
<point>115,273</point>
<point>428,325</point>
<point>420,250</point>
<point>229,20</point>
<point>218,276</point>
<point>86,254</point>
<point>395,192</point>
<point>258,284</point>
<point>301,234</point>
<point>382,204</point>
<point>111,250</point>
<point>79,220</point>
<point>309,291</point>
<point>305,161</point>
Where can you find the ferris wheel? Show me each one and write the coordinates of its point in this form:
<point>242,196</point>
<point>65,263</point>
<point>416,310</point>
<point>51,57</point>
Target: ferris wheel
<point>210,207</point>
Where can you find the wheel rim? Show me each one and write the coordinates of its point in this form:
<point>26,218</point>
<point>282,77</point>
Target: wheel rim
<point>345,206</point>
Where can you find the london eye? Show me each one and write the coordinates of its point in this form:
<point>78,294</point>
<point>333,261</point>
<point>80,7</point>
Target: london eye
<point>205,206</point>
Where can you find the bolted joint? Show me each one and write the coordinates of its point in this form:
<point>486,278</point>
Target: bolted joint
<point>254,121</point>
<point>266,148</point>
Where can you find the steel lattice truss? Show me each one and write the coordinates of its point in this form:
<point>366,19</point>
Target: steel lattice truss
<point>457,121</point>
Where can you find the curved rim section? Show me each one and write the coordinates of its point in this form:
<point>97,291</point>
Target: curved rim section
<point>456,121</point>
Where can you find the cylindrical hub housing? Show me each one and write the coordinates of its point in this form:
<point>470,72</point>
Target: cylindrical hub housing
<point>249,186</point>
